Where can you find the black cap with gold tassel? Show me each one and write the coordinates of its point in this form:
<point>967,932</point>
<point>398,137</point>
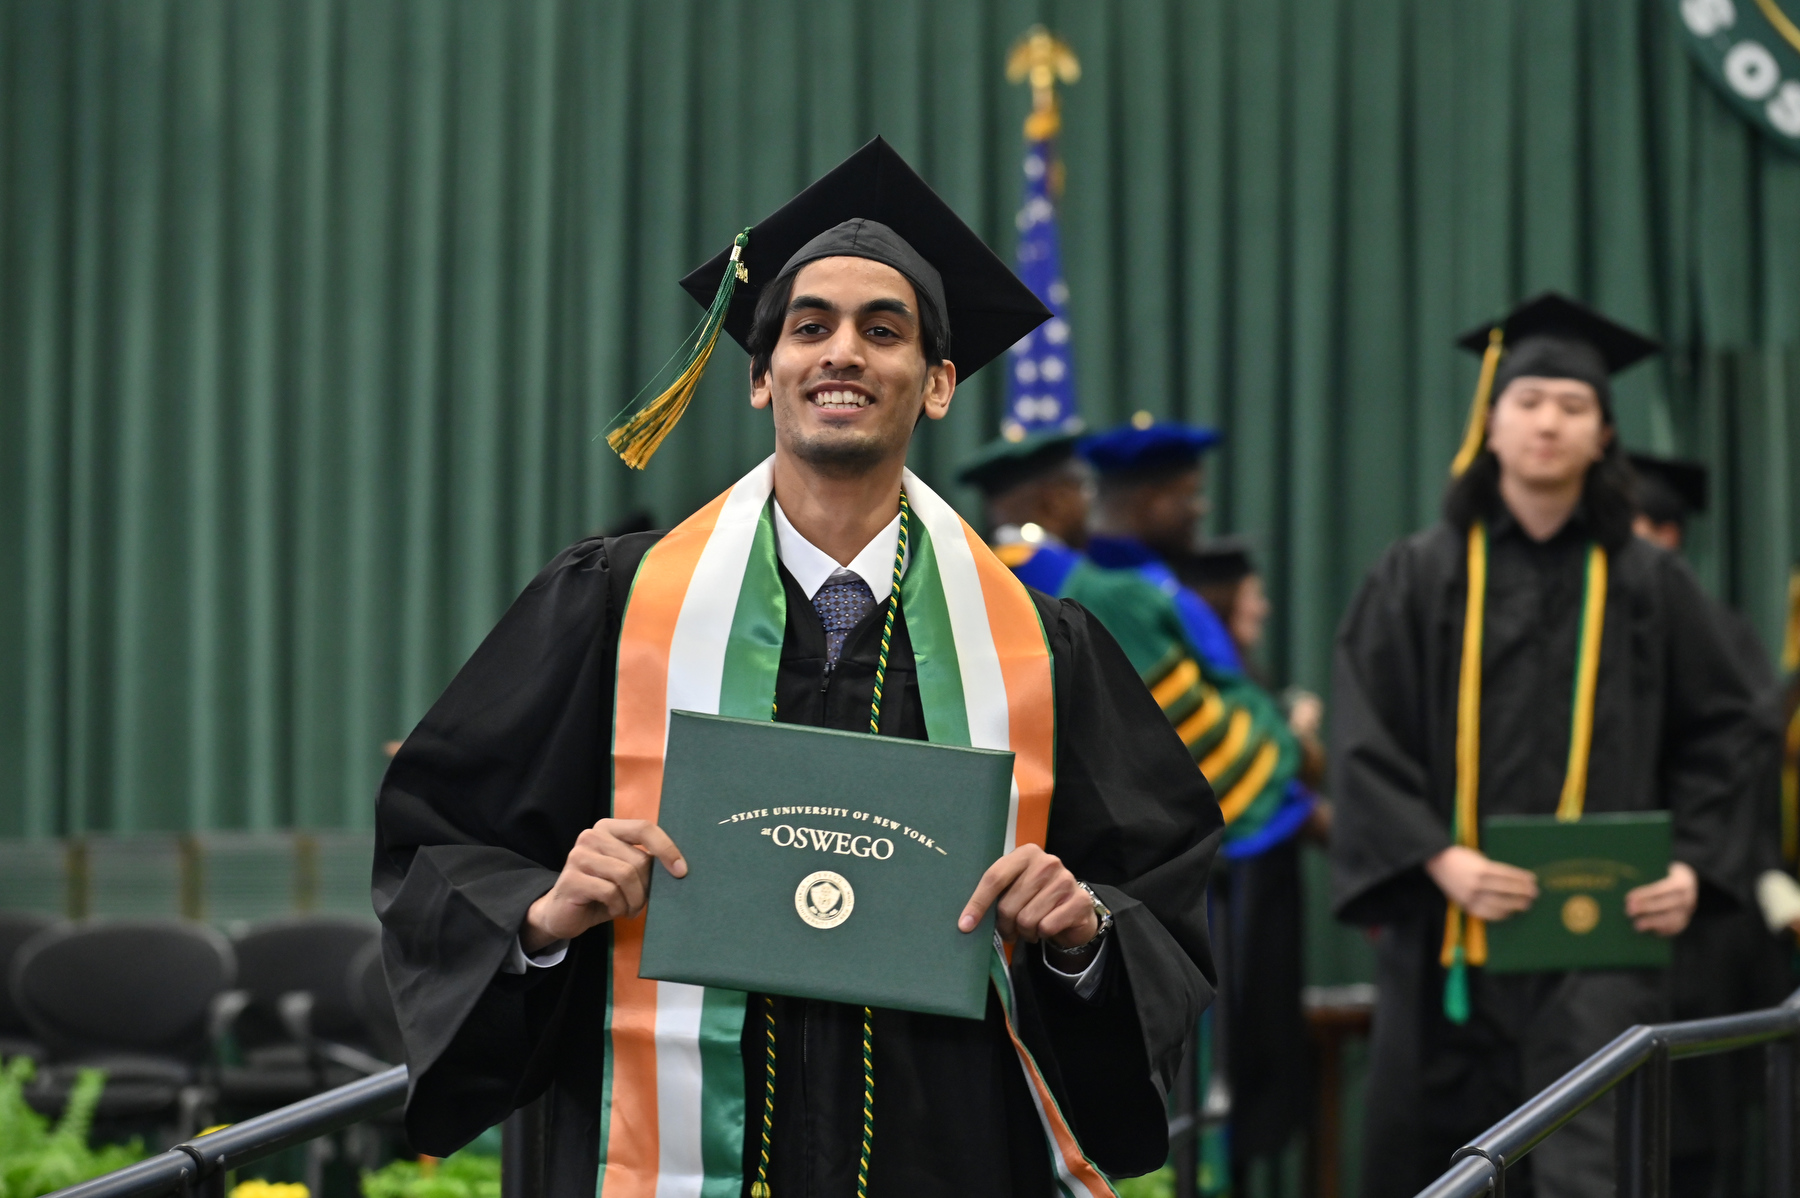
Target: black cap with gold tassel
<point>1549,336</point>
<point>639,437</point>
<point>871,205</point>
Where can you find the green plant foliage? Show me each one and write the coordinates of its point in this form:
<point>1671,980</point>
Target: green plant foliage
<point>36,1157</point>
<point>1160,1184</point>
<point>460,1175</point>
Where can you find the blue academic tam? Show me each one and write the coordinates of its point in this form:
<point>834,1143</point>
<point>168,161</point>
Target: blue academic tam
<point>1146,444</point>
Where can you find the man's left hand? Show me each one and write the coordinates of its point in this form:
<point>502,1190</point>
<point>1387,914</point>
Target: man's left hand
<point>1665,907</point>
<point>1038,900</point>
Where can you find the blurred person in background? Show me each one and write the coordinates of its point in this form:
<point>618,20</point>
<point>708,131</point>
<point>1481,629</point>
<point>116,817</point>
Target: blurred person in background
<point>1035,491</point>
<point>1259,889</point>
<point>1727,960</point>
<point>1532,579</point>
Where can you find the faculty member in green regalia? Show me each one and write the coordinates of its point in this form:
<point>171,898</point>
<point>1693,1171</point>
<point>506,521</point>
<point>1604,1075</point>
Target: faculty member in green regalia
<point>1035,492</point>
<point>1526,655</point>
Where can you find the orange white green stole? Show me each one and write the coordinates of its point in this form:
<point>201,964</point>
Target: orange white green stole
<point>702,632</point>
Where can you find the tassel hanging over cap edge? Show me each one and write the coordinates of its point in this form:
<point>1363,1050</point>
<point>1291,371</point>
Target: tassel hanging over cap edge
<point>1475,436</point>
<point>638,439</point>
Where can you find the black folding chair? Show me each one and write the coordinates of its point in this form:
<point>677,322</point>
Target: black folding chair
<point>16,1039</point>
<point>130,996</point>
<point>374,1005</point>
<point>291,1027</point>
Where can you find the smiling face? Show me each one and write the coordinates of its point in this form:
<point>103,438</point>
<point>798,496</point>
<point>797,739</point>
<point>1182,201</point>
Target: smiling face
<point>847,377</point>
<point>1547,432</point>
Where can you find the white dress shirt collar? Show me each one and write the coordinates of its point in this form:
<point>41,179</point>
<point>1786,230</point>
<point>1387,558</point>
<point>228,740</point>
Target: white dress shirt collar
<point>812,567</point>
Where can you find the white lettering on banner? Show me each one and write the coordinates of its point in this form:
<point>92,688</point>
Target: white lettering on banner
<point>1751,70</point>
<point>1784,110</point>
<point>1706,17</point>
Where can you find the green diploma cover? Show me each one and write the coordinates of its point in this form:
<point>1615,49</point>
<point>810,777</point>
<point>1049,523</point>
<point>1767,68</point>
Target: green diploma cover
<point>826,864</point>
<point>1584,870</point>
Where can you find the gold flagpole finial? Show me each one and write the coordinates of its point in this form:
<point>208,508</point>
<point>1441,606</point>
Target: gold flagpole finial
<point>1044,60</point>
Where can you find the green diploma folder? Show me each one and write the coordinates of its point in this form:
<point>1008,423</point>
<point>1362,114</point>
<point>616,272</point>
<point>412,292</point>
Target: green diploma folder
<point>1584,870</point>
<point>826,864</point>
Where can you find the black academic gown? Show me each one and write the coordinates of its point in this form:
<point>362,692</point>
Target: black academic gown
<point>481,805</point>
<point>1728,961</point>
<point>1674,728</point>
<point>1268,1056</point>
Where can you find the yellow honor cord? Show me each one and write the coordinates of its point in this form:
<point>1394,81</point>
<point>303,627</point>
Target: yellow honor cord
<point>1790,757</point>
<point>1468,744</point>
<point>1587,674</point>
<point>1790,790</point>
<point>1465,937</point>
<point>1790,641</point>
<point>1475,436</point>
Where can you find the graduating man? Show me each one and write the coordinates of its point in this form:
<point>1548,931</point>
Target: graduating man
<point>1532,582</point>
<point>517,826</point>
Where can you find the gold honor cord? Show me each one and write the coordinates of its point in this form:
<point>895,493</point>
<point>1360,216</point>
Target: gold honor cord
<point>1790,790</point>
<point>760,1188</point>
<point>1790,757</point>
<point>1465,937</point>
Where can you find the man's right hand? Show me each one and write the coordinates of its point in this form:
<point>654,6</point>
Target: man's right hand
<point>606,876</point>
<point>1487,889</point>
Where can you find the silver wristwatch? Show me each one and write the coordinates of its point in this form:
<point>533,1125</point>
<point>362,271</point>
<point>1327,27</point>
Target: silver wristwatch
<point>1102,913</point>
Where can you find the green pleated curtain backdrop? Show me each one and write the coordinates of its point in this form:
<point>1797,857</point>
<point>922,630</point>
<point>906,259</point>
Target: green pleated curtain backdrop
<point>310,311</point>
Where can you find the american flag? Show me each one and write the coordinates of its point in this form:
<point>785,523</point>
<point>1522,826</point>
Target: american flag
<point>1040,395</point>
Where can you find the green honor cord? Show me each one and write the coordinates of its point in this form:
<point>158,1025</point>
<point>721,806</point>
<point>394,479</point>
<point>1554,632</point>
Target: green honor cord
<point>761,1187</point>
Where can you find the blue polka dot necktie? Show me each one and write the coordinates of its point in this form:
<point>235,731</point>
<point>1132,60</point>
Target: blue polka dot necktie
<point>841,603</point>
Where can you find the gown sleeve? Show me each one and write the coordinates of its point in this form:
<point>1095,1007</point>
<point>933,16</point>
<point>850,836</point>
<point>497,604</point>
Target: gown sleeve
<point>1717,740</point>
<point>1758,668</point>
<point>1133,818</point>
<point>1385,825</point>
<point>472,822</point>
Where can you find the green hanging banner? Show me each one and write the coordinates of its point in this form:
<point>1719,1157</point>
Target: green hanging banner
<point>1750,49</point>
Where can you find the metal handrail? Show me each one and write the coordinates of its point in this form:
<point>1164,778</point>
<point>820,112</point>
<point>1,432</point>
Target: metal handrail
<point>1637,1059</point>
<point>1637,1062</point>
<point>203,1158</point>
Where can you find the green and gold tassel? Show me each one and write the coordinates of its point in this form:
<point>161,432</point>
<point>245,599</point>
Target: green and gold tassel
<point>638,439</point>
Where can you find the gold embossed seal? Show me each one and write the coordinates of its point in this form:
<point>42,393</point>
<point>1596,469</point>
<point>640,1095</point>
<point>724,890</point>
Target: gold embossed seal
<point>1580,914</point>
<point>824,899</point>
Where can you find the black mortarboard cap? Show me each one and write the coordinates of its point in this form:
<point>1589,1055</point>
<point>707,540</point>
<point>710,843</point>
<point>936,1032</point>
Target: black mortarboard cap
<point>1008,462</point>
<point>1669,489</point>
<point>1548,336</point>
<point>1220,560</point>
<point>873,205</point>
<point>1552,336</point>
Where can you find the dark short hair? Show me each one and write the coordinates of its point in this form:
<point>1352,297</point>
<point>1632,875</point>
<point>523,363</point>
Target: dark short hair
<point>1608,495</point>
<point>1660,502</point>
<point>771,313</point>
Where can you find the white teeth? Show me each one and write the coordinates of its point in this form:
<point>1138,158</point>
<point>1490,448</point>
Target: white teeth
<point>840,399</point>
